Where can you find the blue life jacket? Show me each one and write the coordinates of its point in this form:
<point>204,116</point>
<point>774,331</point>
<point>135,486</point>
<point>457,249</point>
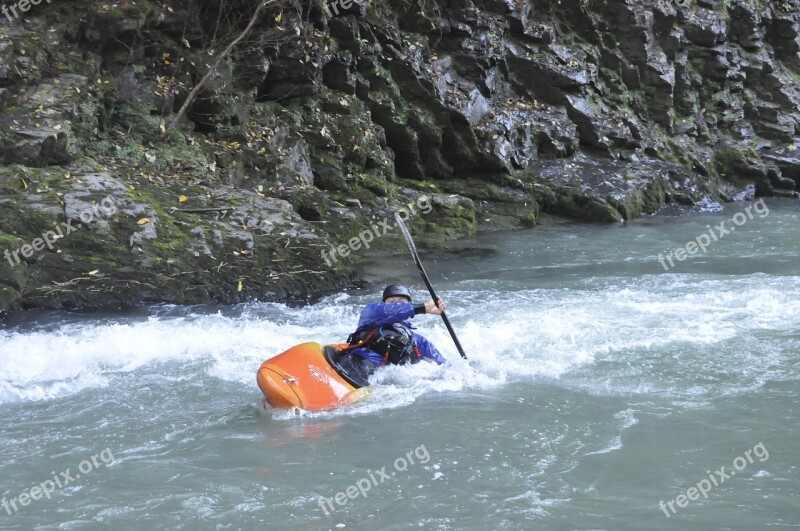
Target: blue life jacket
<point>384,313</point>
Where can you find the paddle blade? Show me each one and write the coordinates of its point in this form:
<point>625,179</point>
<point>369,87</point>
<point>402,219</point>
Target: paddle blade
<point>406,234</point>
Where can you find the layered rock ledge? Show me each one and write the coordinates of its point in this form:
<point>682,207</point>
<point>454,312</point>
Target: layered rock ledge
<point>322,122</point>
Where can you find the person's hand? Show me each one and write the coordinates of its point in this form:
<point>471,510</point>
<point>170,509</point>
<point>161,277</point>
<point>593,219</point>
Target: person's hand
<point>430,307</point>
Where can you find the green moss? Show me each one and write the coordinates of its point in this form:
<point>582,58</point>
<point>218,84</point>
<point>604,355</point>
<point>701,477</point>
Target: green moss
<point>15,177</point>
<point>10,242</point>
<point>388,100</point>
<point>527,216</point>
<point>475,189</point>
<point>87,126</point>
<point>26,224</point>
<point>376,184</point>
<point>423,186</point>
<point>138,138</point>
<point>272,108</point>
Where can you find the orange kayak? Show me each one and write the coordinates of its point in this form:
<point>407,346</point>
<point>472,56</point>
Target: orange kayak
<point>312,377</point>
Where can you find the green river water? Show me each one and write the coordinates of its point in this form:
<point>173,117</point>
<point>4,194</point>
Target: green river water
<point>602,392</point>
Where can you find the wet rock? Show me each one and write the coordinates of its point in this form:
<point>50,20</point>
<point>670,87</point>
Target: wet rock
<point>293,74</point>
<point>39,146</point>
<point>549,76</point>
<point>784,31</point>
<point>787,159</point>
<point>114,32</point>
<point>746,26</point>
<point>40,130</point>
<point>214,107</point>
<point>319,123</point>
<point>595,189</point>
<point>600,128</point>
<point>93,201</point>
<point>706,27</point>
<point>769,120</point>
<point>146,92</point>
<point>518,133</point>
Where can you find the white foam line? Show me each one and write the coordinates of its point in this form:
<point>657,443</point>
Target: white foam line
<point>507,336</point>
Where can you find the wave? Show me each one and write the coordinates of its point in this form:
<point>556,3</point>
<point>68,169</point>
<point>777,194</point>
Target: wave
<point>553,334</point>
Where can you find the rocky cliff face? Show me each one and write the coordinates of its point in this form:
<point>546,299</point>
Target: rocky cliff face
<point>327,117</point>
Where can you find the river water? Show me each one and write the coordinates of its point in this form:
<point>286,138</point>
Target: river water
<point>601,392</point>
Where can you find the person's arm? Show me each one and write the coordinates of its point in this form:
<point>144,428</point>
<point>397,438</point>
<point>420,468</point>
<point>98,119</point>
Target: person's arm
<point>382,313</point>
<point>430,307</point>
<point>427,350</point>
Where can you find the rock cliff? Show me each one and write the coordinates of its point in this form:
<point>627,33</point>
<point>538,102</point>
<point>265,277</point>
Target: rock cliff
<point>327,117</point>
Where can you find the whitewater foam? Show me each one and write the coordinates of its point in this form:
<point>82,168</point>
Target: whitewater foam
<point>508,336</point>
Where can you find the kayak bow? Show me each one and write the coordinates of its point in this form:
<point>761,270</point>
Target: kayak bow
<point>306,377</point>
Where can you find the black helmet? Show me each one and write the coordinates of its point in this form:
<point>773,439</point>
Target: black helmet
<point>396,290</point>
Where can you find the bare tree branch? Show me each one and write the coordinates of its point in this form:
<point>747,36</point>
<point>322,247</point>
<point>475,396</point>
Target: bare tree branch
<point>224,53</point>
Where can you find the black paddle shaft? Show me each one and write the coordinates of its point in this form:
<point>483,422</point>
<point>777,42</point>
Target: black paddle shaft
<point>413,250</point>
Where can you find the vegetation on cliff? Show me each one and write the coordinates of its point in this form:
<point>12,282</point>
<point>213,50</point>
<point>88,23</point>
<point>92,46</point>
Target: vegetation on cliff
<point>325,118</point>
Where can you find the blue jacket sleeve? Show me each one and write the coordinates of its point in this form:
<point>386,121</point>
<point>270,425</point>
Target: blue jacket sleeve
<point>382,313</point>
<point>428,350</point>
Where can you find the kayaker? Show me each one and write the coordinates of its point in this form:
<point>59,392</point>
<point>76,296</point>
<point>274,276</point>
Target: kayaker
<point>385,332</point>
